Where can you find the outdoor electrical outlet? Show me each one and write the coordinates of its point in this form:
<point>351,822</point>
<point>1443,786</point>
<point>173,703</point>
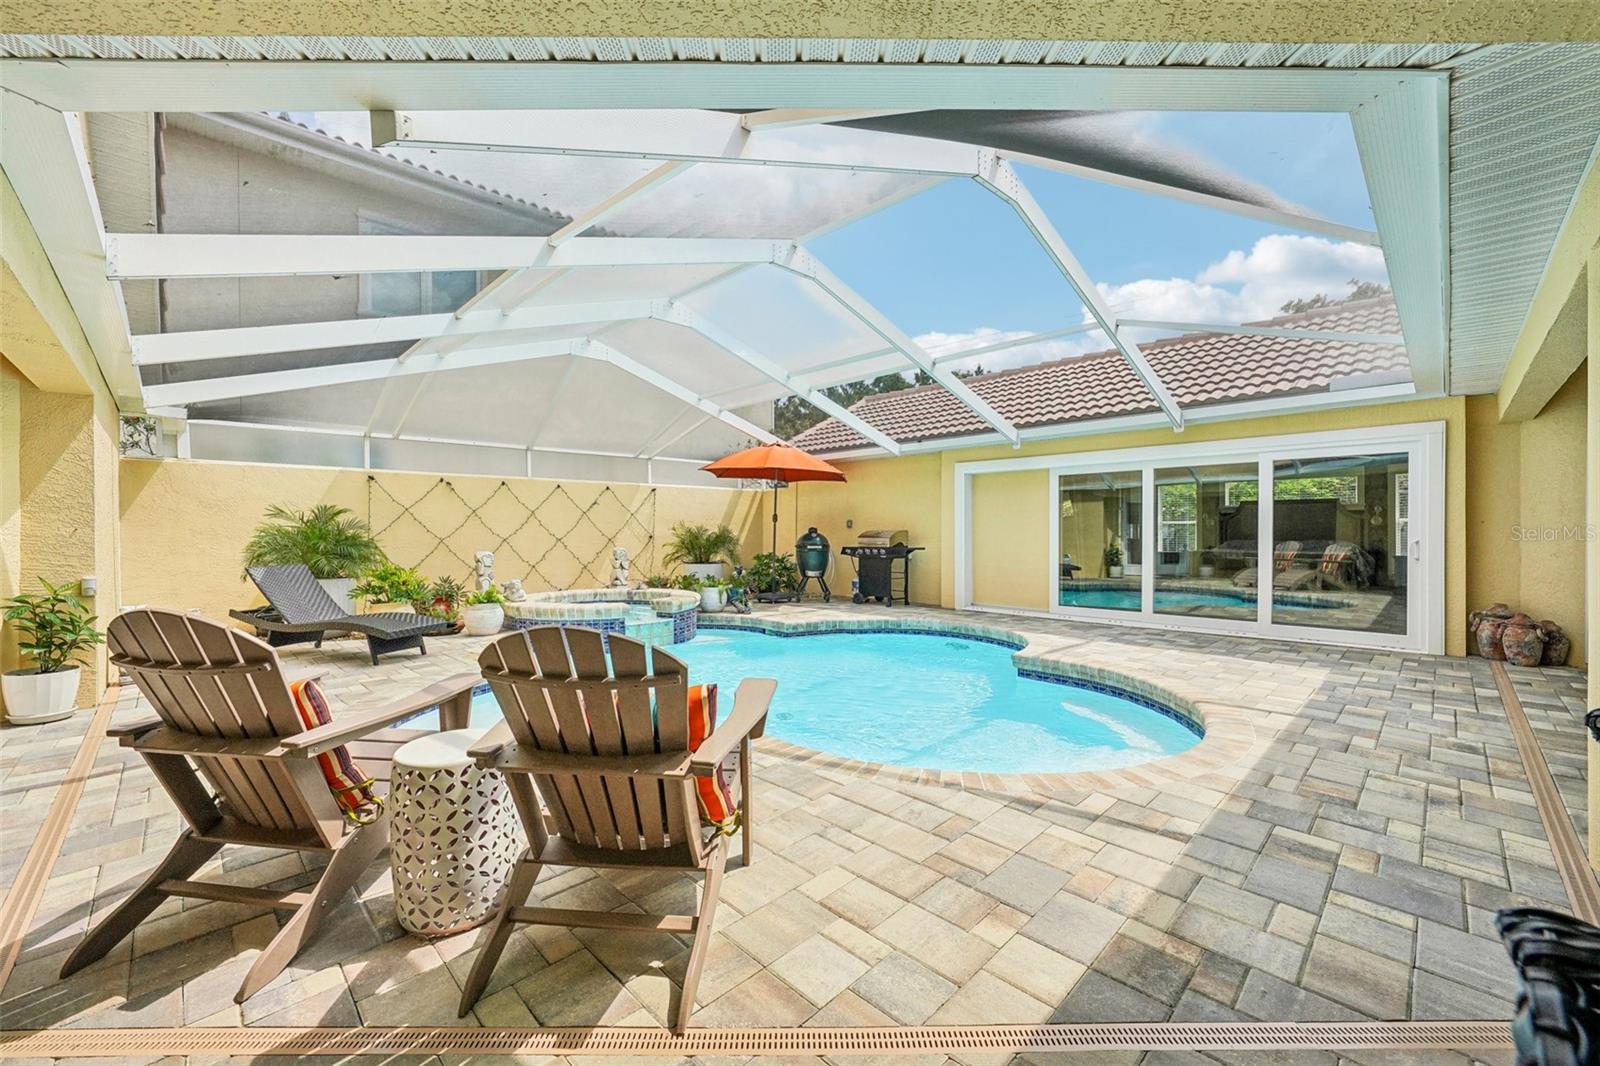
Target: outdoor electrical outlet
<point>88,585</point>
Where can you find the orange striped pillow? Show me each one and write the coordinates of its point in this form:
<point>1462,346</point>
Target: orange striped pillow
<point>351,788</point>
<point>717,804</point>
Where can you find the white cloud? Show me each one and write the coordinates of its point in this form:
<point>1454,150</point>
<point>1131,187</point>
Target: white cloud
<point>1242,286</point>
<point>1248,286</point>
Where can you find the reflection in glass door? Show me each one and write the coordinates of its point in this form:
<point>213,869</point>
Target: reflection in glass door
<point>1100,547</point>
<point>1341,542</point>
<point>1206,558</point>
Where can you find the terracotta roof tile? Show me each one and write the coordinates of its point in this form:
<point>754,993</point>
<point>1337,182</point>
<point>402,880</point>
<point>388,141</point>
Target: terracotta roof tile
<point>1199,369</point>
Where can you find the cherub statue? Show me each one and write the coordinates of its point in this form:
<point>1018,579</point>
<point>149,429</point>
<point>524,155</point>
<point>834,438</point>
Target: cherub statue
<point>483,564</point>
<point>619,568</point>
<point>514,591</point>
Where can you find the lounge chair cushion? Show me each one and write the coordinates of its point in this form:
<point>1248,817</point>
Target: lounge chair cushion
<point>717,804</point>
<point>352,788</point>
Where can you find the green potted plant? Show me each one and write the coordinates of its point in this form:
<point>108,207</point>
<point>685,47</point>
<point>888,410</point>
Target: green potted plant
<point>52,630</point>
<point>485,612</point>
<point>713,596</point>
<point>335,545</point>
<point>390,587</point>
<point>1113,559</point>
<point>773,575</point>
<point>444,600</point>
<point>701,550</point>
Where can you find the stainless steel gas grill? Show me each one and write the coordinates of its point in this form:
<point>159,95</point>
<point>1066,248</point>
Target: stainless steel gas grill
<point>876,551</point>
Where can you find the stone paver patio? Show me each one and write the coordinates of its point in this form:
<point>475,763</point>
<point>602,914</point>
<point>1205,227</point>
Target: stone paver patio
<point>1337,853</point>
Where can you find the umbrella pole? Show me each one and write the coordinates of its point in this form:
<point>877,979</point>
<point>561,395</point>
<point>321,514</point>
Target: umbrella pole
<point>774,518</point>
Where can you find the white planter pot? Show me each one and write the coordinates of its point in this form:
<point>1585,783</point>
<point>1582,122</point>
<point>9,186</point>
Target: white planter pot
<point>714,599</point>
<point>483,619</point>
<point>1208,571</point>
<point>33,698</point>
<point>704,571</point>
<point>1113,571</point>
<point>339,588</point>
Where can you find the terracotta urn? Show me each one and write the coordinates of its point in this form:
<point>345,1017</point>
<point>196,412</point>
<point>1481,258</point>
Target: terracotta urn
<point>1522,641</point>
<point>1557,645</point>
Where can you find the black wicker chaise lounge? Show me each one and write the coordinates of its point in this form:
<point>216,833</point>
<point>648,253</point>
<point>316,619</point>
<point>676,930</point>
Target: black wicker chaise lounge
<point>300,610</point>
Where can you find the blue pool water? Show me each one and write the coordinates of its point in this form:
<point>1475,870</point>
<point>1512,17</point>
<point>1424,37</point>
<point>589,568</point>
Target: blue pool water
<point>1177,600</point>
<point>922,700</point>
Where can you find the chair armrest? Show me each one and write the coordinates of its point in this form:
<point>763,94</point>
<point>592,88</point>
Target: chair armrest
<point>304,675</point>
<point>135,727</point>
<point>749,719</point>
<point>489,745</point>
<point>351,726</point>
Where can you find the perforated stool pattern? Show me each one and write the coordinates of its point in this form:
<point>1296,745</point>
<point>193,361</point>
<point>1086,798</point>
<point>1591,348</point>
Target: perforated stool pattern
<point>454,839</point>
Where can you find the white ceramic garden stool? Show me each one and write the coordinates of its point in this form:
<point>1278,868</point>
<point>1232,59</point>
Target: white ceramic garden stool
<point>453,835</point>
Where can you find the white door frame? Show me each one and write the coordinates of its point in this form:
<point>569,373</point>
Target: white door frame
<point>1422,442</point>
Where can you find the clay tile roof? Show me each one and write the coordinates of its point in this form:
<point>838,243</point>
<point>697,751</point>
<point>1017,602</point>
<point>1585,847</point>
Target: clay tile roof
<point>1198,368</point>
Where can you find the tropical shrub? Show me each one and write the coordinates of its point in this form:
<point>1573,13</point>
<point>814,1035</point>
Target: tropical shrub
<point>774,573</point>
<point>330,540</point>
<point>394,584</point>
<point>52,629</point>
<point>701,544</point>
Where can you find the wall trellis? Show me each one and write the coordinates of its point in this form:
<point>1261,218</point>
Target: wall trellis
<point>561,540</point>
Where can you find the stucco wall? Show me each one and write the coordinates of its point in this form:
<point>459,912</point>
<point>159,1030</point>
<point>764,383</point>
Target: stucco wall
<point>1011,539</point>
<point>185,524</point>
<point>915,494</point>
<point>1113,20</point>
<point>10,503</point>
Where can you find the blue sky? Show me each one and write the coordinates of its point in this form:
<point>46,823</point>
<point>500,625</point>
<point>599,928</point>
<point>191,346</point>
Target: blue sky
<point>954,261</point>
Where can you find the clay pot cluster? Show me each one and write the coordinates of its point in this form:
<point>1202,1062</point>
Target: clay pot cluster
<point>1498,632</point>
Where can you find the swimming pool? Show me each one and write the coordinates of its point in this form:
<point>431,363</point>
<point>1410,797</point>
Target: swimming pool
<point>931,701</point>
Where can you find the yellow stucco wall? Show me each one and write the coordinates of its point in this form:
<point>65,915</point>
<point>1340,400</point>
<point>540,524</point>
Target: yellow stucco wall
<point>924,501</point>
<point>1118,20</point>
<point>1592,554</point>
<point>10,503</point>
<point>185,524</point>
<point>1525,509</point>
<point>1011,539</point>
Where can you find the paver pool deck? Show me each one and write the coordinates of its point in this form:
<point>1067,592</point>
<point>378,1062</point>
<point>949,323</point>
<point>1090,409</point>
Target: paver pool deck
<point>1334,849</point>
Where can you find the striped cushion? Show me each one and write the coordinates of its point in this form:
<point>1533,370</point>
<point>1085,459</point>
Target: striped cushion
<point>717,804</point>
<point>351,788</point>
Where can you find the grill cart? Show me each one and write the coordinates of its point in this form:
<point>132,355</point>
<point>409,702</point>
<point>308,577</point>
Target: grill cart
<point>876,553</point>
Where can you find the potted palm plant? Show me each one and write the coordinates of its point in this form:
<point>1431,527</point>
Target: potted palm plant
<point>1114,559</point>
<point>335,545</point>
<point>700,550</point>
<point>393,588</point>
<point>485,612</point>
<point>53,630</point>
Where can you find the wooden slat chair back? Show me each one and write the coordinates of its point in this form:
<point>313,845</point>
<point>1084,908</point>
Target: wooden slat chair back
<point>229,748</point>
<point>603,741</point>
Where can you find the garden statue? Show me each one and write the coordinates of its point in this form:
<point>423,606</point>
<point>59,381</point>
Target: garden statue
<point>483,564</point>
<point>514,591</point>
<point>619,568</point>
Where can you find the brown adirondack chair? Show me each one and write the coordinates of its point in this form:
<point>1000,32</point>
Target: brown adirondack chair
<point>227,745</point>
<point>616,775</point>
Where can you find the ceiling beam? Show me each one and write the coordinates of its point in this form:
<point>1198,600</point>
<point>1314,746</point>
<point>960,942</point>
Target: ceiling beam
<point>157,348</point>
<point>804,264</point>
<point>617,201</point>
<point>999,178</point>
<point>594,349</point>
<point>46,162</point>
<point>230,255</point>
<point>718,137</point>
<point>782,118</point>
<point>680,314</point>
<point>181,394</point>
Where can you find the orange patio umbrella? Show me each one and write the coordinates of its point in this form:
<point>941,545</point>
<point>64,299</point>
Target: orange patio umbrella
<point>780,464</point>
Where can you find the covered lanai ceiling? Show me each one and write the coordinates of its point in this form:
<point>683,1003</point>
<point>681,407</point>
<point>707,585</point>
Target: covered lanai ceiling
<point>650,289</point>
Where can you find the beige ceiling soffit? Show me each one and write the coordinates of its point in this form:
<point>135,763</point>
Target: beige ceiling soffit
<point>1553,342</point>
<point>1117,20</point>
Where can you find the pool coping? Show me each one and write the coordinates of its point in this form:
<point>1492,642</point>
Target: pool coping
<point>1228,736</point>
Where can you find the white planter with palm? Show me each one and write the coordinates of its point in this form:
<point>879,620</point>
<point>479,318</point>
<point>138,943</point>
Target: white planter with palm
<point>701,551</point>
<point>52,630</point>
<point>484,613</point>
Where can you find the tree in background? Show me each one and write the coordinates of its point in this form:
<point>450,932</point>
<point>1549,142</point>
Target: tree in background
<point>792,416</point>
<point>1359,290</point>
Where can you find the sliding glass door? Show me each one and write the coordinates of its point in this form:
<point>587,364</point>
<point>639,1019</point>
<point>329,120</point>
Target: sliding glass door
<point>1335,534</point>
